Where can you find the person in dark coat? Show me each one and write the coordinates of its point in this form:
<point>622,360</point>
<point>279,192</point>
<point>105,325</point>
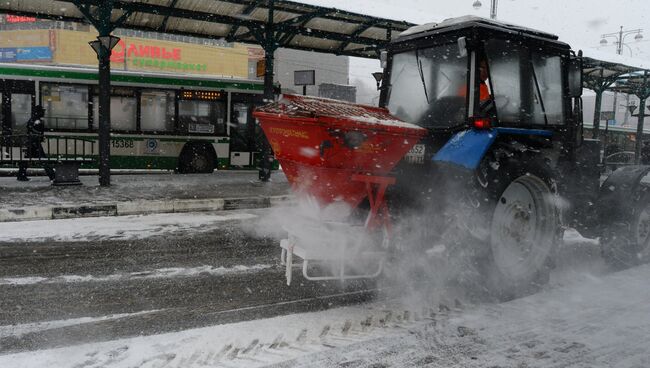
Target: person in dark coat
<point>34,148</point>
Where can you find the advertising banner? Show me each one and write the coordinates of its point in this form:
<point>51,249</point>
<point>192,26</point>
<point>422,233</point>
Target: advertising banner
<point>25,54</point>
<point>39,53</point>
<point>8,55</point>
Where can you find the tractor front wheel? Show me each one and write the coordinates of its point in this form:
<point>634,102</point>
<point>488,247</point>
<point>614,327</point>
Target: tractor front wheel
<point>524,228</point>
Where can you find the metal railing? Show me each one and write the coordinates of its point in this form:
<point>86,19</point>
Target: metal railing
<point>18,148</point>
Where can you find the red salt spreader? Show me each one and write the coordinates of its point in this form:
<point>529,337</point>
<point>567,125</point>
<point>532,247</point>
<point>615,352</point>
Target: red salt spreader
<point>334,153</point>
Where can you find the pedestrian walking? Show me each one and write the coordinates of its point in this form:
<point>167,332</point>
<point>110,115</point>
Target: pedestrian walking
<point>34,148</point>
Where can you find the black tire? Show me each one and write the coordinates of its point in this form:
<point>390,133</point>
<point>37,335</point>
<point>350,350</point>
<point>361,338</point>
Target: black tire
<point>196,159</point>
<point>626,243</point>
<point>518,192</point>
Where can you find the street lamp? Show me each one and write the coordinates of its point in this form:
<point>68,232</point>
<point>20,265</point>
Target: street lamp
<point>378,77</point>
<point>108,42</point>
<point>493,7</point>
<point>620,38</point>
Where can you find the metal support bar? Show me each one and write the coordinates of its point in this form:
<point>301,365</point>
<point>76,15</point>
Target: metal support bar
<point>235,27</point>
<point>597,107</point>
<point>643,95</point>
<point>269,50</point>
<point>119,21</point>
<point>163,25</point>
<point>362,28</point>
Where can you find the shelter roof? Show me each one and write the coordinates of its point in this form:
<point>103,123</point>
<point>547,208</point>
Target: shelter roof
<point>295,25</point>
<point>602,70</point>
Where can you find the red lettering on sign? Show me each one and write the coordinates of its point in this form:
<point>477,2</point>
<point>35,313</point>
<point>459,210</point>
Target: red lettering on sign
<point>122,51</point>
<point>144,51</point>
<point>19,19</point>
<point>117,54</point>
<point>131,50</point>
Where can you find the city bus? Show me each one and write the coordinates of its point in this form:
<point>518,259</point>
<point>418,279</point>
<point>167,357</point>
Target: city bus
<point>161,121</point>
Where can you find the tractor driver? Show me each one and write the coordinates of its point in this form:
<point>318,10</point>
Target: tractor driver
<point>484,91</point>
<point>486,102</point>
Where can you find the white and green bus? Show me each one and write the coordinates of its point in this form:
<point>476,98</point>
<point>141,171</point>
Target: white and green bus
<point>158,121</point>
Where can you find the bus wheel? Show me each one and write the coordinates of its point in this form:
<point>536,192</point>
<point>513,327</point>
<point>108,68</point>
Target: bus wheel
<point>196,159</point>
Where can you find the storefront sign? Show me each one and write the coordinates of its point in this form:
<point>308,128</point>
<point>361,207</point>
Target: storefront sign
<point>144,55</point>
<point>19,19</point>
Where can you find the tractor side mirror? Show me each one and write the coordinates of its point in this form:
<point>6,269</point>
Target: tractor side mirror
<point>575,76</point>
<point>462,46</point>
<point>383,59</point>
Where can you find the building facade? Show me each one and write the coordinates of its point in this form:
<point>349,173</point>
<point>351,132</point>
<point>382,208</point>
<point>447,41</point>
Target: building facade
<point>31,41</point>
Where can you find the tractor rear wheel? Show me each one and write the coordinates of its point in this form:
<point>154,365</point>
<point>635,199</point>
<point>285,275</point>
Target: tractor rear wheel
<point>627,244</point>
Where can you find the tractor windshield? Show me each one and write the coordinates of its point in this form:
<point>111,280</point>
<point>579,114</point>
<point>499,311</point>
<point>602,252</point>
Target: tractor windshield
<point>428,87</point>
<point>526,83</point>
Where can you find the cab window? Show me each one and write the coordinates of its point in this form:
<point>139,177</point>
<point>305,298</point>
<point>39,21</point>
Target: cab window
<point>526,84</point>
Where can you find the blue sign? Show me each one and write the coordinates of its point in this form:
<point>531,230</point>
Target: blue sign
<point>41,53</point>
<point>8,54</point>
<point>18,54</point>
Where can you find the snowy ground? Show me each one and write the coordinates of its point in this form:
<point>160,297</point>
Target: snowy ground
<point>169,272</point>
<point>115,228</point>
<point>220,184</point>
<point>590,322</point>
<point>586,316</point>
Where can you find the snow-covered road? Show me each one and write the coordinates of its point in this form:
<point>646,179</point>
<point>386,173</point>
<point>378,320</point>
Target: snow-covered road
<point>592,321</point>
<point>116,227</point>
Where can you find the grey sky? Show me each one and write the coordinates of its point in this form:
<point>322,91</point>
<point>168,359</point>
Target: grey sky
<point>579,23</point>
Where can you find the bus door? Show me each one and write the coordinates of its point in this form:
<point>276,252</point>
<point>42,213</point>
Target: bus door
<point>244,132</point>
<point>18,98</point>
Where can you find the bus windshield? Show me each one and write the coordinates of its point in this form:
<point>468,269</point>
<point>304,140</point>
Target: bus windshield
<point>428,87</point>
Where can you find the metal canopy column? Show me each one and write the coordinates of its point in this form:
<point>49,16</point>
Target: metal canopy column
<point>598,84</point>
<point>269,45</point>
<point>101,20</point>
<point>643,92</point>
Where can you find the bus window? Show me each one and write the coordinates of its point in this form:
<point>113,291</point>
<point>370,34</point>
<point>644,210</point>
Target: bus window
<point>157,111</point>
<point>206,117</point>
<point>240,132</point>
<point>66,106</point>
<point>21,111</point>
<point>123,109</point>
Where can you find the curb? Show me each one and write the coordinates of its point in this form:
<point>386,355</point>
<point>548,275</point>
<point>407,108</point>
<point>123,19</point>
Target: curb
<point>140,207</point>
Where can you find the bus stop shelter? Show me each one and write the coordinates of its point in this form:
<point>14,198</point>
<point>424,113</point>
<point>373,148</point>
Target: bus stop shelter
<point>272,24</point>
<point>617,73</point>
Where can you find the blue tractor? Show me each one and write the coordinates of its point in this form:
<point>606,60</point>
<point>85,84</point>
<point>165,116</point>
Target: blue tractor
<point>504,160</point>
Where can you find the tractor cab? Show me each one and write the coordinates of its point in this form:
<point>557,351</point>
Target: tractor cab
<point>471,72</point>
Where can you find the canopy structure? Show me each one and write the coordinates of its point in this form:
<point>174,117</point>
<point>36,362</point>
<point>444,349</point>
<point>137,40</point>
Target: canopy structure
<point>293,25</point>
<point>601,71</point>
<point>270,23</point>
<point>605,71</point>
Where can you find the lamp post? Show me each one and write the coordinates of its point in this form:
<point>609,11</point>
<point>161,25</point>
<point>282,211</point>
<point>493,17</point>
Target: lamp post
<point>620,38</point>
<point>493,7</point>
